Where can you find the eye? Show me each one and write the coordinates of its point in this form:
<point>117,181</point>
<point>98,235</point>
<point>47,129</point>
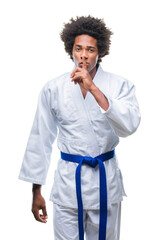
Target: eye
<point>91,50</point>
<point>78,49</point>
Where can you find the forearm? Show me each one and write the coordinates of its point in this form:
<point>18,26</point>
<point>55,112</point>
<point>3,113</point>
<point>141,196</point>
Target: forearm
<point>100,97</point>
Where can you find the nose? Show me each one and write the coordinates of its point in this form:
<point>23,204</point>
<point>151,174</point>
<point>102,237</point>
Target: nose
<point>84,55</point>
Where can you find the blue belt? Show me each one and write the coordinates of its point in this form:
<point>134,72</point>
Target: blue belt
<point>93,162</point>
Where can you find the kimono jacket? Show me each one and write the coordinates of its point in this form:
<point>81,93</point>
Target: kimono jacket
<point>82,128</point>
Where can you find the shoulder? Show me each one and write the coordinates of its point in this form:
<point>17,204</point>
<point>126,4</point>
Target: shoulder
<point>116,84</point>
<point>55,83</point>
<point>117,79</point>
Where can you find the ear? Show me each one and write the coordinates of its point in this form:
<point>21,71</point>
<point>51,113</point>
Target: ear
<point>99,57</point>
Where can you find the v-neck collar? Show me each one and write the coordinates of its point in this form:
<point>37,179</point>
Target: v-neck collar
<point>84,106</point>
<point>81,103</point>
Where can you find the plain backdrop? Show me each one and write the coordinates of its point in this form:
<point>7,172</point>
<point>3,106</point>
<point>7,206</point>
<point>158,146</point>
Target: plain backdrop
<point>31,53</point>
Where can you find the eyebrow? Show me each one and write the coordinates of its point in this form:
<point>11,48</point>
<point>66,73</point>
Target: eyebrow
<point>77,45</point>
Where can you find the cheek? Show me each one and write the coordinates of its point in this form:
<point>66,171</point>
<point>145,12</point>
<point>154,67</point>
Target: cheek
<point>75,59</point>
<point>96,60</point>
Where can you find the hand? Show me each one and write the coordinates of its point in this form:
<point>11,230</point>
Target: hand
<point>37,205</point>
<point>82,77</point>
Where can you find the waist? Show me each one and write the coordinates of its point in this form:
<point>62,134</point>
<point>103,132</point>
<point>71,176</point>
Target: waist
<point>92,162</point>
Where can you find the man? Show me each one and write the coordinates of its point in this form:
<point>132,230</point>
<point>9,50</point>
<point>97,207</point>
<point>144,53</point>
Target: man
<point>92,109</point>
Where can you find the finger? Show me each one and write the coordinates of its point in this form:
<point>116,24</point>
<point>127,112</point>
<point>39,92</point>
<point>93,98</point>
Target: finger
<point>38,217</point>
<point>84,64</point>
<point>75,82</point>
<point>43,217</point>
<point>44,211</point>
<point>77,69</point>
<point>76,77</point>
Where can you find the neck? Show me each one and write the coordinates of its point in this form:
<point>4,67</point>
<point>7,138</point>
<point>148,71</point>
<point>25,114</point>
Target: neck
<point>93,71</point>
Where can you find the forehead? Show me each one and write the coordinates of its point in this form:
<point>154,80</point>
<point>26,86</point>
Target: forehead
<point>85,40</point>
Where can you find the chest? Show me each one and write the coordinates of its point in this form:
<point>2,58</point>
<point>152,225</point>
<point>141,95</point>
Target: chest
<point>75,106</point>
<point>84,92</point>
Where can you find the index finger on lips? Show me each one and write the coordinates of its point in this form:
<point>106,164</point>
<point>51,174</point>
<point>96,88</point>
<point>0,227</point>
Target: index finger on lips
<point>84,64</point>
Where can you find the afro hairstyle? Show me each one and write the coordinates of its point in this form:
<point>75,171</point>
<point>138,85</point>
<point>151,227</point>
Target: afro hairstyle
<point>91,26</point>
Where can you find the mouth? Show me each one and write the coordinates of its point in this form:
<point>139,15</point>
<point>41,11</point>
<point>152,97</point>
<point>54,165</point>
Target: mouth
<point>81,64</point>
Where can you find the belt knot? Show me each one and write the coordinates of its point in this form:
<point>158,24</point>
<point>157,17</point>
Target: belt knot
<point>90,161</point>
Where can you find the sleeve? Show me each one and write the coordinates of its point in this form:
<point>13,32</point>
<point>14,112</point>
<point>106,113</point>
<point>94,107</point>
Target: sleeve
<point>39,146</point>
<point>123,113</point>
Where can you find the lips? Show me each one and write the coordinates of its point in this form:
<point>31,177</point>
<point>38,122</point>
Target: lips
<point>81,64</point>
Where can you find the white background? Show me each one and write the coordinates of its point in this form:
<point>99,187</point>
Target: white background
<point>31,53</point>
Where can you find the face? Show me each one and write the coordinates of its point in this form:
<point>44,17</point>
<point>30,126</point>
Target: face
<point>85,47</point>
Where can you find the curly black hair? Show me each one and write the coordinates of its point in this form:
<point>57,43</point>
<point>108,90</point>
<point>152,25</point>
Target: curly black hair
<point>91,26</point>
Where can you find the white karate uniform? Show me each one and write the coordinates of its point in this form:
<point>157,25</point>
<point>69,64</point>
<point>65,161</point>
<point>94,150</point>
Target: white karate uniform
<point>84,129</point>
<point>68,219</point>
